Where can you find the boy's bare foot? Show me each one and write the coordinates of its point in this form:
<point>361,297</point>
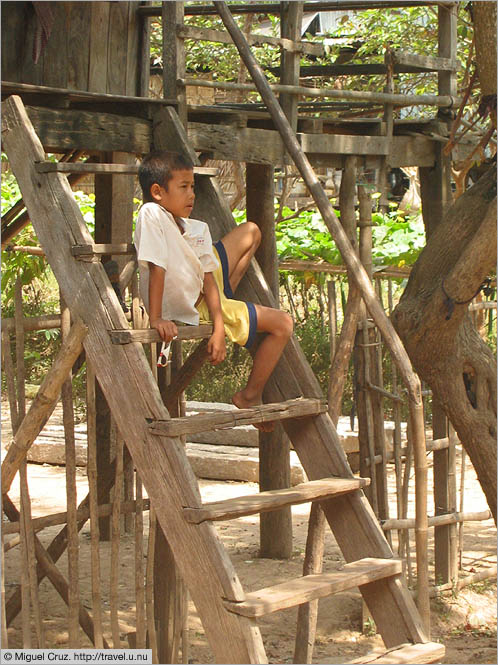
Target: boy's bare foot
<point>241,402</point>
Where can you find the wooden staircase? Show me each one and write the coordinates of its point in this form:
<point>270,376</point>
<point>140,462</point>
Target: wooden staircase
<point>228,613</point>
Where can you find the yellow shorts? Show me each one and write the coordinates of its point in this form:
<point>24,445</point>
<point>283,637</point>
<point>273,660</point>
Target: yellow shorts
<point>239,317</point>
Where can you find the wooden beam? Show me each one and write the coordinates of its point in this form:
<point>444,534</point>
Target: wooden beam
<point>71,129</point>
<point>206,34</point>
<point>84,167</point>
<point>425,63</point>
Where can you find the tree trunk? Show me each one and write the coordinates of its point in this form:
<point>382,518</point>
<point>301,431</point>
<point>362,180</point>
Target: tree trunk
<point>444,347</point>
<point>484,18</point>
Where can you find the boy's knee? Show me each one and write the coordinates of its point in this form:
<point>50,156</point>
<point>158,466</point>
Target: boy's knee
<point>255,233</point>
<point>286,325</point>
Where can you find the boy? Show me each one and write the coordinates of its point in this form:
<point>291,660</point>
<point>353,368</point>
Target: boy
<point>184,278</point>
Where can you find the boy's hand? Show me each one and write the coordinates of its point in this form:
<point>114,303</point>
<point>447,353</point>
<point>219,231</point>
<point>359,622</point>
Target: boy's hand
<point>166,329</point>
<point>217,347</point>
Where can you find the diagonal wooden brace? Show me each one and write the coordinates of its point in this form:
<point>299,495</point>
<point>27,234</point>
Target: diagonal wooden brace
<point>43,404</point>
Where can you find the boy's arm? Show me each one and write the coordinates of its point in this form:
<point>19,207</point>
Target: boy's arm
<point>216,345</point>
<point>166,329</point>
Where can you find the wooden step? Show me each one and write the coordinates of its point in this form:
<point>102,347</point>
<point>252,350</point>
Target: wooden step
<point>150,335</point>
<point>203,422</point>
<point>99,249</point>
<point>307,588</point>
<point>428,652</point>
<point>325,488</point>
<point>114,169</point>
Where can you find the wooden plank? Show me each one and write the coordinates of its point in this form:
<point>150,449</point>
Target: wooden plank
<point>273,499</point>
<point>428,652</point>
<point>63,95</point>
<point>150,335</point>
<point>99,249</point>
<point>14,40</point>
<point>259,146</point>
<point>56,51</point>
<point>78,40</point>
<point>84,167</point>
<point>122,371</point>
<point>425,63</point>
<point>202,422</point>
<point>307,588</point>
<point>343,144</point>
<point>315,439</point>
<point>134,24</point>
<point>61,130</point>
<point>221,37</point>
<point>117,44</point>
<point>99,27</point>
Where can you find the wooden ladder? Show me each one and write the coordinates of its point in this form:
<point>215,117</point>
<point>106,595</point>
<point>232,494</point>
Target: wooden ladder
<point>228,614</point>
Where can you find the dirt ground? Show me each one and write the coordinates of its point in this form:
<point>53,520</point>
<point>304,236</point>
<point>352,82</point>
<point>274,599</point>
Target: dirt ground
<point>465,623</point>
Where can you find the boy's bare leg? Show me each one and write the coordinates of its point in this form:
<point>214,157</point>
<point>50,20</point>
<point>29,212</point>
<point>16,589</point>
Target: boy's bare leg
<point>279,327</point>
<point>240,245</point>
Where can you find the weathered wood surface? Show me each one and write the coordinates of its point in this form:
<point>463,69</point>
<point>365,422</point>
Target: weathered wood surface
<point>264,146</point>
<point>100,249</point>
<point>61,129</point>
<point>425,63</point>
<point>273,499</point>
<point>43,404</point>
<point>309,587</point>
<point>206,34</point>
<point>92,46</point>
<point>428,652</point>
<point>83,167</point>
<point>124,375</point>
<point>307,613</point>
<point>297,408</point>
<point>149,335</point>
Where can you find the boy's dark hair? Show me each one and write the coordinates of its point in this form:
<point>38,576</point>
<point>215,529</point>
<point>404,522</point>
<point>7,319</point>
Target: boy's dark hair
<point>157,167</point>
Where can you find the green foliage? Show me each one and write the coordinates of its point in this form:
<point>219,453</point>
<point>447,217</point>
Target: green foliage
<point>28,267</point>
<point>398,238</point>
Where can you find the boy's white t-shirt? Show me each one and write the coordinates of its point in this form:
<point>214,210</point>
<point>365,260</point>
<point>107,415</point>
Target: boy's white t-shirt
<point>185,258</point>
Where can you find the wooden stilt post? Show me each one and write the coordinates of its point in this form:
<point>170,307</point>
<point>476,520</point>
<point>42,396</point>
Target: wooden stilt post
<point>93,504</point>
<point>397,425</point>
<point>116,537</point>
<point>139,567</point>
<point>71,497</point>
<point>25,504</point>
<point>149,587</point>
<point>307,614</point>
<point>274,447</point>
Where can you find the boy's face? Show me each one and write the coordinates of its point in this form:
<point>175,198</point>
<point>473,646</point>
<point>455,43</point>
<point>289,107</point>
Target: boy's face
<point>178,199</point>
